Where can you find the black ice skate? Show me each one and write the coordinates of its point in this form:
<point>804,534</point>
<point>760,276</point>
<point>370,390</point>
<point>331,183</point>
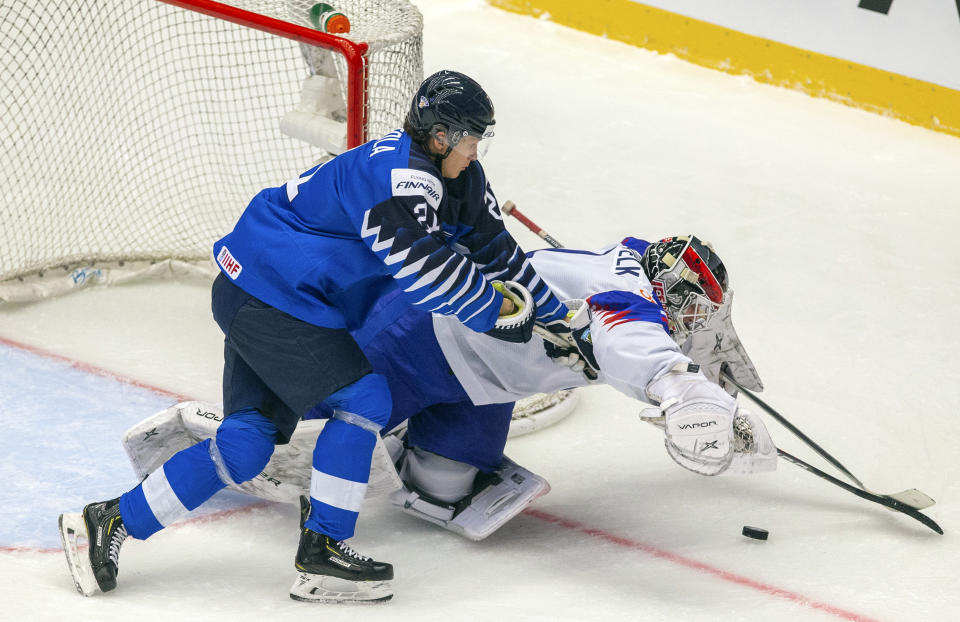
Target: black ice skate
<point>332,572</point>
<point>105,533</point>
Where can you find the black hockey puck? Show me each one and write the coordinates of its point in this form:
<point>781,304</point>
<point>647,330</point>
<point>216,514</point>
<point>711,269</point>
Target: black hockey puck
<point>755,532</point>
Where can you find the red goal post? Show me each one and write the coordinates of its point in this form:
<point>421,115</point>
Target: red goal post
<point>354,53</point>
<point>136,131</point>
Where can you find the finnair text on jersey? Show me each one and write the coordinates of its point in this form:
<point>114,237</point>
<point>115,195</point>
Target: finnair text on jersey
<point>427,188</point>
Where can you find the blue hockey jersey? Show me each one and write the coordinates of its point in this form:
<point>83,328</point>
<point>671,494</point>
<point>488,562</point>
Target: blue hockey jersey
<point>327,245</point>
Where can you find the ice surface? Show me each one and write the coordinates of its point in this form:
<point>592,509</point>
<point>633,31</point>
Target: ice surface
<point>838,228</point>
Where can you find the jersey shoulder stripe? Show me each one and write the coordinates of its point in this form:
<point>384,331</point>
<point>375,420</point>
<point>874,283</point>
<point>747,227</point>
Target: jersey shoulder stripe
<point>636,244</point>
<point>614,308</point>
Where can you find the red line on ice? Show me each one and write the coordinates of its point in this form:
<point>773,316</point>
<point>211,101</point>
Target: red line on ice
<point>196,520</point>
<point>538,514</point>
<point>92,369</point>
<point>725,575</point>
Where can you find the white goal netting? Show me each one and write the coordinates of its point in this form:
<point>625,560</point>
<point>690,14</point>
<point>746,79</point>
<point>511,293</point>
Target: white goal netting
<point>542,410</point>
<point>136,131</point>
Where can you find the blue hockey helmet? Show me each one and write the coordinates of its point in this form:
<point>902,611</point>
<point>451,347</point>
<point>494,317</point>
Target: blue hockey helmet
<point>689,280</point>
<point>452,103</point>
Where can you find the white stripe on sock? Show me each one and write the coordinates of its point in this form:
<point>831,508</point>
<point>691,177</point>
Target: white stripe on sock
<point>338,492</point>
<point>163,502</point>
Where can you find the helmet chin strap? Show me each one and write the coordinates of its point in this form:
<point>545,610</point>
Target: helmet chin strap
<point>443,156</point>
<point>440,157</point>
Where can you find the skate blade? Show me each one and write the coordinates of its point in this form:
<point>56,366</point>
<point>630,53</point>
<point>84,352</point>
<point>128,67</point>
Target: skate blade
<point>72,528</point>
<point>324,589</point>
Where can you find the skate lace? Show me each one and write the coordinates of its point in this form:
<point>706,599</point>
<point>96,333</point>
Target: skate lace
<point>349,552</point>
<point>115,541</point>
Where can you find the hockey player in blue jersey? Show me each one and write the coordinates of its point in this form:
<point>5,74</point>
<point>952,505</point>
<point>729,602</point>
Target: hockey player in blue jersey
<point>412,213</point>
<point>653,320</point>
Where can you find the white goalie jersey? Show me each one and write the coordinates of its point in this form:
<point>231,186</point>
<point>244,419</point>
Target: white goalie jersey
<point>630,343</point>
<point>629,331</point>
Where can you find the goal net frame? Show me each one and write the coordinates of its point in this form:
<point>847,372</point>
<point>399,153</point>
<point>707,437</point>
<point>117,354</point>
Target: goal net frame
<point>185,103</point>
<point>354,53</point>
<point>47,40</point>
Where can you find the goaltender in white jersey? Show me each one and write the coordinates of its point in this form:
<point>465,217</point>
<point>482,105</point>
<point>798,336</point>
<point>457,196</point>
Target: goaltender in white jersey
<point>651,320</point>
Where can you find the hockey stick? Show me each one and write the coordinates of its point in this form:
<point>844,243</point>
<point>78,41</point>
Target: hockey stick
<point>510,209</point>
<point>908,502</point>
<point>912,497</point>
<point>885,500</point>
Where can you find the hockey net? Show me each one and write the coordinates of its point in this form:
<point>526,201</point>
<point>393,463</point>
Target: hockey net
<point>542,410</point>
<point>136,132</point>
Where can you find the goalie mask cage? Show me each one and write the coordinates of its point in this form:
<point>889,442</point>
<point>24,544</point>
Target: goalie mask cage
<point>135,132</point>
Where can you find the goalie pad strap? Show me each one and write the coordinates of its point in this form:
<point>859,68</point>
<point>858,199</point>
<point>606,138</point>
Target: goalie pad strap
<point>433,510</point>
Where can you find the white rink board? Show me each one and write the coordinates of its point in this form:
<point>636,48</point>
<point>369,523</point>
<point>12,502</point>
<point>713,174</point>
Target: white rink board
<point>917,38</point>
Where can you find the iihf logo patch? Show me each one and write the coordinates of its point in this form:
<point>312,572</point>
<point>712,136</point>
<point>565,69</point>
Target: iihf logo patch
<point>230,265</point>
<point>424,102</point>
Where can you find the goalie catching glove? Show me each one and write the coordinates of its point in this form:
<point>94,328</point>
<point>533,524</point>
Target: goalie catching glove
<point>698,417</point>
<point>515,327</point>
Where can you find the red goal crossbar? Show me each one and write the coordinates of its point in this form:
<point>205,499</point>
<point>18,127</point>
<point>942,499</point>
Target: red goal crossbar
<point>354,53</point>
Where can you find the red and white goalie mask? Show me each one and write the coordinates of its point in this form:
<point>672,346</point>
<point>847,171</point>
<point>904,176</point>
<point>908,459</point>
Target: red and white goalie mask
<point>689,280</point>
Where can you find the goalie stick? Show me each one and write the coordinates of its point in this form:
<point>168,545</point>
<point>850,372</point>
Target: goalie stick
<point>908,502</point>
<point>911,497</point>
<point>510,209</point>
<point>885,500</point>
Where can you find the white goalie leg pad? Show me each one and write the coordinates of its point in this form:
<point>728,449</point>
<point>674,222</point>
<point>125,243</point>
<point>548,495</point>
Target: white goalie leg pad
<point>441,478</point>
<point>286,477</point>
<point>432,485</point>
<point>72,530</point>
<point>498,502</point>
<point>474,515</point>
